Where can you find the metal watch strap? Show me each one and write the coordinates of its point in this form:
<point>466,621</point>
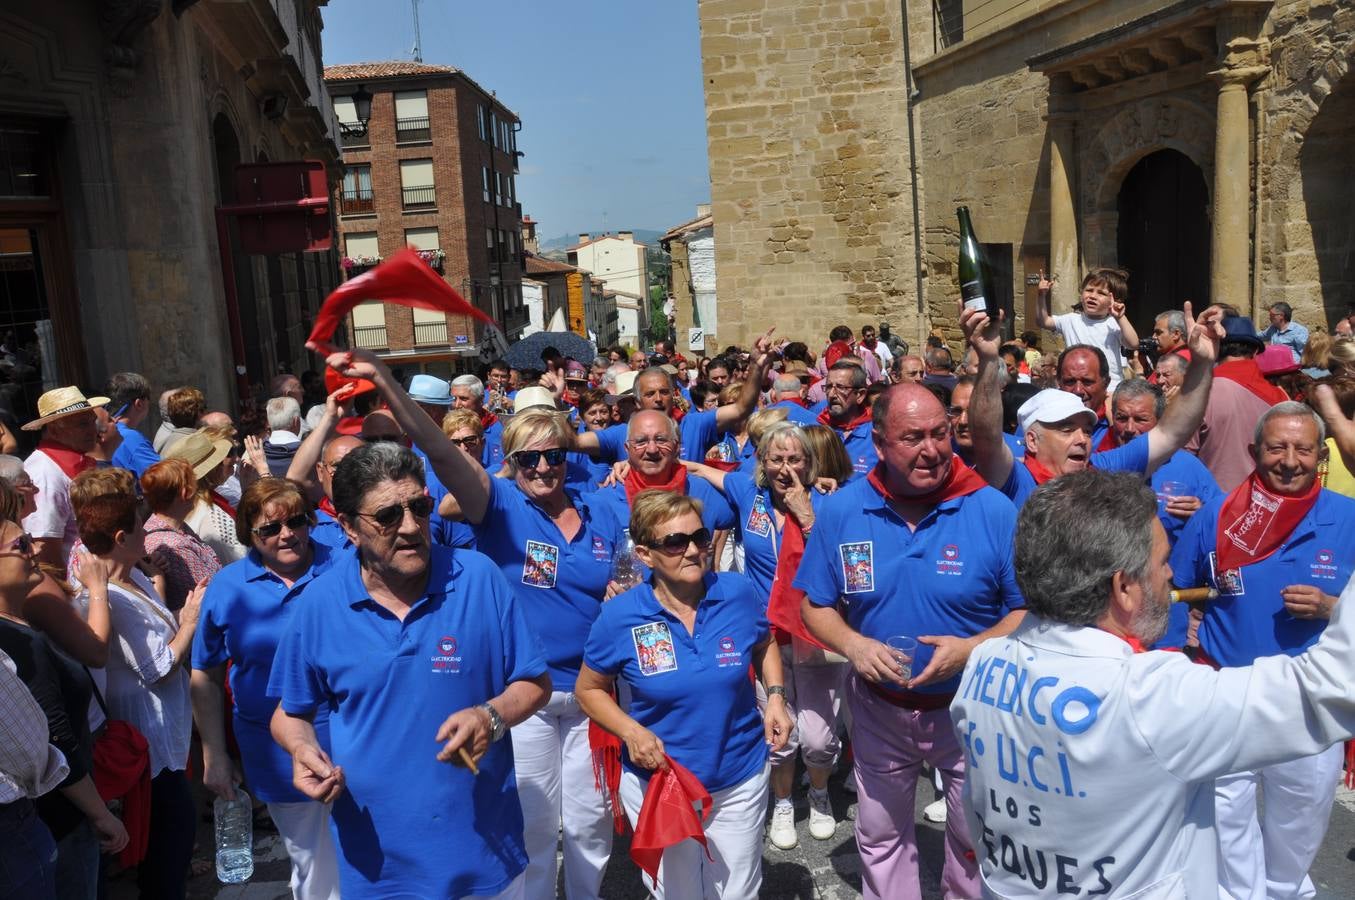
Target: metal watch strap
<point>496,726</point>
<point>777,689</point>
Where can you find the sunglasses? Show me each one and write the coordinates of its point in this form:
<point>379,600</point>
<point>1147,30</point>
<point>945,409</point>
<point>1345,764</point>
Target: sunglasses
<point>390,516</point>
<point>528,459</point>
<point>676,544</point>
<point>273,529</point>
<point>465,442</point>
<point>23,544</point>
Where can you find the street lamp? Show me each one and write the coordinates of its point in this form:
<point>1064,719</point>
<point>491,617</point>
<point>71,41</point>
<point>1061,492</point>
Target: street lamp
<point>362,110</point>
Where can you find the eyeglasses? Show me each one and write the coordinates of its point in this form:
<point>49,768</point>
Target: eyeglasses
<point>676,544</point>
<point>659,442</point>
<point>831,388</point>
<point>390,516</point>
<point>465,442</point>
<point>956,411</point>
<point>529,459</point>
<point>273,529</point>
<point>23,544</point>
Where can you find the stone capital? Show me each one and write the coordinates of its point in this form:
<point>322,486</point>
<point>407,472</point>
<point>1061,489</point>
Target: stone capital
<point>1238,77</point>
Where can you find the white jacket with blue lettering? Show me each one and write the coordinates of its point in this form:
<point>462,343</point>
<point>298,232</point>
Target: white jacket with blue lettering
<point>1090,767</point>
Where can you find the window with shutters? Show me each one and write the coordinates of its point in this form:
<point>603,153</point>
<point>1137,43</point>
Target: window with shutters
<point>411,117</point>
<point>357,190</point>
<point>369,326</point>
<point>360,249</point>
<point>416,184</point>
<point>427,243</point>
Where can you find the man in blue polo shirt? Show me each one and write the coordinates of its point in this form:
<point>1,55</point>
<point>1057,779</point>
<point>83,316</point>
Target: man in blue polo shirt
<point>651,450</point>
<point>1278,549</point>
<point>1057,425</point>
<point>788,392</point>
<point>468,392</point>
<point>129,400</point>
<point>392,640</point>
<point>699,429</point>
<point>846,413</point>
<point>919,548</point>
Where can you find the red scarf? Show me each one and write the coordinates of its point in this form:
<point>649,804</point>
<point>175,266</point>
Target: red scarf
<point>797,401</point>
<point>606,750</point>
<point>668,817</point>
<point>487,419</point>
<point>1253,523</point>
<point>72,462</point>
<point>223,503</point>
<point>783,606</point>
<point>961,481</point>
<point>326,505</point>
<point>675,482</point>
<point>1037,469</point>
<point>862,417</point>
<point>122,768</point>
<point>1248,374</point>
<point>1134,643</point>
<point>1108,441</point>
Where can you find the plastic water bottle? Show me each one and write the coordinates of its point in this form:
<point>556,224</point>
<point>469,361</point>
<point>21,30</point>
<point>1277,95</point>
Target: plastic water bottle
<point>234,838</point>
<point>625,567</point>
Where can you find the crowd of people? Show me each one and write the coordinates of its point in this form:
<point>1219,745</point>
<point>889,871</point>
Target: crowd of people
<point>439,629</point>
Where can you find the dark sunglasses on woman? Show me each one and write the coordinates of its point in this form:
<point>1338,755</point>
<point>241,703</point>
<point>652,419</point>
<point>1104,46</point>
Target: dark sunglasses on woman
<point>528,459</point>
<point>390,516</point>
<point>273,529</point>
<point>22,544</point>
<point>675,544</point>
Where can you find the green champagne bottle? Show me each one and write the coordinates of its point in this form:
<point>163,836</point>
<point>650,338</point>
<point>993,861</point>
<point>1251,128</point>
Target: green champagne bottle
<point>973,270</point>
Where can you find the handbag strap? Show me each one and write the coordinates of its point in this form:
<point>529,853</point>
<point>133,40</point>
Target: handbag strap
<point>98,694</point>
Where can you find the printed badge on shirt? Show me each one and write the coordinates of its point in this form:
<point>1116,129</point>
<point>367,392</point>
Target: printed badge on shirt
<point>950,562</point>
<point>1229,583</point>
<point>446,660</point>
<point>539,565</point>
<point>858,567</point>
<point>654,648</point>
<point>728,653</point>
<point>759,520</point>
<point>1323,565</point>
<point>600,551</point>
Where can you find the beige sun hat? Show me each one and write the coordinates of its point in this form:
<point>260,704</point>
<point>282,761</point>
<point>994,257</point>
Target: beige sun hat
<point>61,402</point>
<point>199,451</point>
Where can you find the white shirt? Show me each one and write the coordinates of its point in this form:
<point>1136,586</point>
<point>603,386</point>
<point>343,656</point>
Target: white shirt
<point>1101,762</point>
<point>1077,328</point>
<point>53,517</point>
<point>160,710</point>
<point>217,530</point>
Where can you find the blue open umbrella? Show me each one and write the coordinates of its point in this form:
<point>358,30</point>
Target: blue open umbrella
<point>526,353</point>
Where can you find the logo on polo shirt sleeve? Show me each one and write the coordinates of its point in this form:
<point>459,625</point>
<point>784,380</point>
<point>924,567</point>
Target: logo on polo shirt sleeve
<point>446,660</point>
<point>1324,565</point>
<point>759,521</point>
<point>654,648</point>
<point>858,566</point>
<point>540,564</point>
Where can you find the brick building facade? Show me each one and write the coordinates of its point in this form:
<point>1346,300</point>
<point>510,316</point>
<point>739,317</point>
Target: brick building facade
<point>434,168</point>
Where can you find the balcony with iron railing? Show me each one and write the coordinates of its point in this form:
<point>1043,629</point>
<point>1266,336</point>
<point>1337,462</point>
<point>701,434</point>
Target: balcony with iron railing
<point>358,201</point>
<point>419,197</point>
<point>426,333</point>
<point>411,130</point>
<point>370,337</point>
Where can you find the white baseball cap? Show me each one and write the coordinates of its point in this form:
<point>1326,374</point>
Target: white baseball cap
<point>1052,405</point>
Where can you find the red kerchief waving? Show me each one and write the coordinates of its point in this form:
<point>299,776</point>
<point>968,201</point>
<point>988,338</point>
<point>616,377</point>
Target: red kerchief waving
<point>404,279</point>
<point>668,816</point>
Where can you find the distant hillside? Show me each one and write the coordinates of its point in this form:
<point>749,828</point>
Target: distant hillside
<point>643,235</point>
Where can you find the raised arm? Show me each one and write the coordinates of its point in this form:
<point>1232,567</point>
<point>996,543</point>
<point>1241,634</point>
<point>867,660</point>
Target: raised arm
<point>1043,317</point>
<point>307,456</point>
<point>730,416</point>
<point>1184,414</point>
<point>709,473</point>
<point>458,470</point>
<point>1128,336</point>
<point>992,457</point>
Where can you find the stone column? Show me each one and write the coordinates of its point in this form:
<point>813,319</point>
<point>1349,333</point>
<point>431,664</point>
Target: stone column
<point>1230,256</point>
<point>1063,249</point>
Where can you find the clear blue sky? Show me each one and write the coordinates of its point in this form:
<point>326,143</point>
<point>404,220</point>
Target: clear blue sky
<point>609,92</point>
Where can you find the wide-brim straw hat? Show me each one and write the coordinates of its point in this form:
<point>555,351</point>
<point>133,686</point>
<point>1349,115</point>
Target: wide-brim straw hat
<point>200,451</point>
<point>59,403</point>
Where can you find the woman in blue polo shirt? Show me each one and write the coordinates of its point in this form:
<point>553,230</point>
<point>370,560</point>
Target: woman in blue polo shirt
<point>782,493</point>
<point>557,554</point>
<point>683,643</point>
<point>244,614</point>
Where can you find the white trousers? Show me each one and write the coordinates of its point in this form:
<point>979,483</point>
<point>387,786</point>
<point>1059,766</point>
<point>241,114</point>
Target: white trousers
<point>304,829</point>
<point>1268,859</point>
<point>733,836</point>
<point>555,785</point>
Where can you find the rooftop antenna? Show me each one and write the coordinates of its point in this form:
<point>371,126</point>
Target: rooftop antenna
<point>418,41</point>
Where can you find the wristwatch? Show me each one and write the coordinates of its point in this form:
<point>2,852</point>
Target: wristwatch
<point>496,726</point>
<point>778,690</point>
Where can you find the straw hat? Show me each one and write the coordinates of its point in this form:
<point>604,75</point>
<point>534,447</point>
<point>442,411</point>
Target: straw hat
<point>199,451</point>
<point>61,402</point>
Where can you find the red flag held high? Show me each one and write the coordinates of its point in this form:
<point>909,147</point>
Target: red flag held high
<point>404,279</point>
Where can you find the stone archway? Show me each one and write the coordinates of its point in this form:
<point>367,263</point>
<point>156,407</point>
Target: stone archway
<point>1327,170</point>
<point>1137,130</point>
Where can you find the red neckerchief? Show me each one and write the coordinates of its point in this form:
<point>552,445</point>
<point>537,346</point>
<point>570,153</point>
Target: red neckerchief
<point>487,419</point>
<point>862,417</point>
<point>72,462</point>
<point>674,482</point>
<point>606,750</point>
<point>1108,441</point>
<point>676,413</point>
<point>668,816</point>
<point>1248,374</point>
<point>1253,523</point>
<point>223,503</point>
<point>326,505</point>
<point>961,481</point>
<point>1037,469</point>
<point>783,606</point>
<point>1134,643</point>
<point>797,401</point>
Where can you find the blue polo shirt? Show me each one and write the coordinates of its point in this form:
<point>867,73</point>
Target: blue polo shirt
<point>585,474</point>
<point>757,525</point>
<point>1132,457</point>
<point>135,453</point>
<point>691,690</point>
<point>860,446</point>
<point>697,431</point>
<point>407,825</point>
<point>954,575</point>
<point>558,584</point>
<point>329,532</point>
<point>244,614</point>
<point>1192,479</point>
<point>442,531</point>
<point>797,413</point>
<point>492,458</point>
<point>729,450</point>
<point>1248,619</point>
<point>716,513</point>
